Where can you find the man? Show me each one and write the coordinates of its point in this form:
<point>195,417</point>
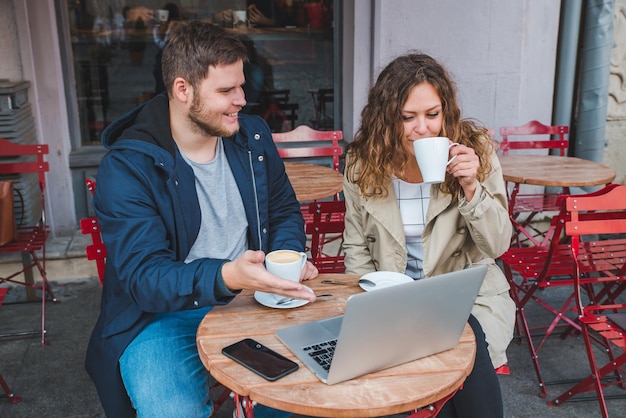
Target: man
<point>190,197</point>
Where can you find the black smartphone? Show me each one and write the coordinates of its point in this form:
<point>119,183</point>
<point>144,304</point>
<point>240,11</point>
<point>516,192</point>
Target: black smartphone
<point>263,361</point>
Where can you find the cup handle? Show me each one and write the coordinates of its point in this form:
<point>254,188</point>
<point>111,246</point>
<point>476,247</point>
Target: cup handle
<point>303,258</point>
<point>452,144</point>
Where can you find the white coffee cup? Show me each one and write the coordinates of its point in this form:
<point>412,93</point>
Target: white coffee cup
<point>286,264</point>
<point>432,157</point>
<point>162,15</point>
<point>240,18</point>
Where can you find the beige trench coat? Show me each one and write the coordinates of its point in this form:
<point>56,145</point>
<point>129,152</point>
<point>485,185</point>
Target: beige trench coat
<point>456,236</point>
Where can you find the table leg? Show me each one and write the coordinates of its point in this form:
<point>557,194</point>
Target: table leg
<point>28,278</point>
<point>243,406</point>
<point>431,410</point>
<point>217,403</point>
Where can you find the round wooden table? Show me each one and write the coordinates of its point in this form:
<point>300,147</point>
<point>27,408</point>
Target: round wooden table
<point>312,181</point>
<point>402,388</point>
<point>554,170</point>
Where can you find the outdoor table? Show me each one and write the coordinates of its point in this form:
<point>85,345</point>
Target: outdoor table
<point>407,387</point>
<point>554,170</point>
<point>313,181</point>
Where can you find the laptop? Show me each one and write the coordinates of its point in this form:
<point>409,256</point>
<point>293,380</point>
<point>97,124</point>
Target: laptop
<point>387,327</point>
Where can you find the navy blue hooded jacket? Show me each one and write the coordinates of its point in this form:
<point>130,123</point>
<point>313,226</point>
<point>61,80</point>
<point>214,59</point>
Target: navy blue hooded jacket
<point>148,210</point>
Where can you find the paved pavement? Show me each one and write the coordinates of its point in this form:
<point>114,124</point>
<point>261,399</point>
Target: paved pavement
<point>52,382</point>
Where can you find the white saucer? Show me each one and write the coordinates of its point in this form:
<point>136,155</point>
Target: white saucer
<point>384,279</point>
<point>269,300</point>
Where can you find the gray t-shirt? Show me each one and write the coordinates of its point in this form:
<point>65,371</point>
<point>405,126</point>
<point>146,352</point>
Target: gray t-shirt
<point>223,230</point>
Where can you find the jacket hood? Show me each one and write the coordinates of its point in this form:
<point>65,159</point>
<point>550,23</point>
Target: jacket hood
<point>148,122</point>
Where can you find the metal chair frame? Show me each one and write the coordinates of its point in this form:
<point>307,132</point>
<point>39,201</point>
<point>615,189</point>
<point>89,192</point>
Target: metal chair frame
<point>96,251</point>
<point>532,270</point>
<point>328,218</point>
<point>532,204</point>
<point>599,260</point>
<point>305,143</point>
<point>17,160</point>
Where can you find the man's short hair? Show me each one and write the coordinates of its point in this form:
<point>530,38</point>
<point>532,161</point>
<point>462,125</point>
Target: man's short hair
<point>195,46</point>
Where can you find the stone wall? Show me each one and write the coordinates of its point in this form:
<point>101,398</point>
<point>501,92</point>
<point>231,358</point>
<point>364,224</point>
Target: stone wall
<point>615,151</point>
<point>11,62</point>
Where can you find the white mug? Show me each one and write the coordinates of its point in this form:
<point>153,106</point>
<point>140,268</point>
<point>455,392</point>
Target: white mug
<point>432,157</point>
<point>162,15</point>
<point>286,264</point>
<point>239,18</point>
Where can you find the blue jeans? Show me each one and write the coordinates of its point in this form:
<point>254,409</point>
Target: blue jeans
<point>163,373</point>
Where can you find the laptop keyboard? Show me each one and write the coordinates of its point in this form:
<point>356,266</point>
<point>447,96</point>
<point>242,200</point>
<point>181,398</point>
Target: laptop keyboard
<point>322,353</point>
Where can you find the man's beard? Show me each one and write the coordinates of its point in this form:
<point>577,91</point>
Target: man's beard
<point>201,126</point>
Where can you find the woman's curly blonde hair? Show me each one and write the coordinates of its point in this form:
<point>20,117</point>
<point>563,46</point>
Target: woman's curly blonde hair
<point>379,148</point>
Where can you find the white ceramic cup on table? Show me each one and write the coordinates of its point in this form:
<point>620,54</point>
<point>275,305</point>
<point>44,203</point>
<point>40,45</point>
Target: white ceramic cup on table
<point>432,157</point>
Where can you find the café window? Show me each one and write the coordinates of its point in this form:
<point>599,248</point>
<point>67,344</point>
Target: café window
<point>291,79</point>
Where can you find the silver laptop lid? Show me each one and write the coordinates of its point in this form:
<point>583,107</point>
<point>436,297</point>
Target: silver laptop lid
<point>391,326</point>
<point>402,323</point>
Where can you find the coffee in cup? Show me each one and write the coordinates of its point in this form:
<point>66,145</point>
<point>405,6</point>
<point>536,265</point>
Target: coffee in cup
<point>284,256</point>
<point>432,157</point>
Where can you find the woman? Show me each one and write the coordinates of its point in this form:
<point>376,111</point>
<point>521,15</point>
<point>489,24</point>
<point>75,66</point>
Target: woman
<point>395,222</point>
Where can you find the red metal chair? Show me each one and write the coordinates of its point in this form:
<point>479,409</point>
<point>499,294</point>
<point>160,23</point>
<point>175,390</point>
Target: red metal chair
<point>524,207</point>
<point>531,271</point>
<point>96,251</point>
<point>328,220</point>
<point>307,144</point>
<point>597,225</point>
<point>25,165</point>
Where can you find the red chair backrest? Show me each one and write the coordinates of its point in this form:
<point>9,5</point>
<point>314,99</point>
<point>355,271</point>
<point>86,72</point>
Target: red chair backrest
<point>96,250</point>
<point>91,185</point>
<point>27,159</point>
<point>39,165</point>
<point>603,217</point>
<point>534,128</point>
<point>305,142</point>
<point>89,226</point>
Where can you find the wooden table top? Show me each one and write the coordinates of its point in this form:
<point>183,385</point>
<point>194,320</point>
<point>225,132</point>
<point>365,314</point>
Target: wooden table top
<point>395,390</point>
<point>312,181</point>
<point>554,170</point>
